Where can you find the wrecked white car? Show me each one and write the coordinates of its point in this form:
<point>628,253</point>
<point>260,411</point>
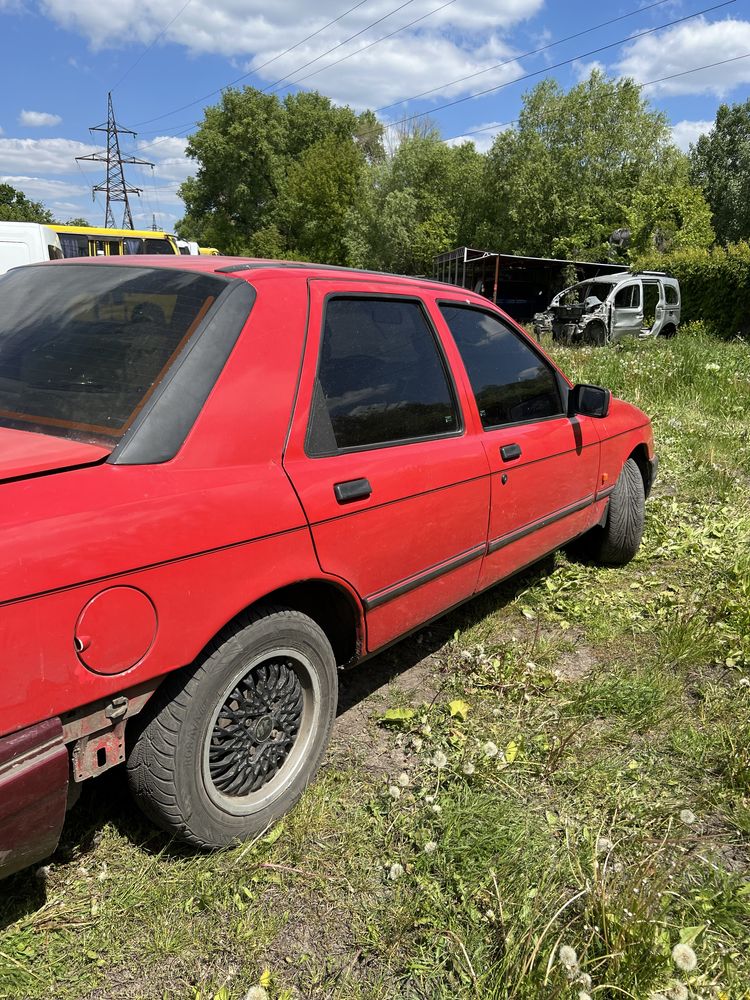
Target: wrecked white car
<point>605,309</point>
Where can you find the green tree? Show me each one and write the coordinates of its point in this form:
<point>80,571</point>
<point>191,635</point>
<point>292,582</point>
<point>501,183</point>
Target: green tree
<point>256,165</point>
<point>720,163</point>
<point>77,220</point>
<point>560,182</point>
<point>16,207</point>
<point>668,216</point>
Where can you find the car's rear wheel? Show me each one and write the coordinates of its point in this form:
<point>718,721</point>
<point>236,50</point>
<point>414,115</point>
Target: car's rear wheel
<point>668,331</point>
<point>228,745</point>
<point>619,538</point>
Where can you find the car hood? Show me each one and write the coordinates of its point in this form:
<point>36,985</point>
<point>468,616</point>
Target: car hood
<point>26,453</point>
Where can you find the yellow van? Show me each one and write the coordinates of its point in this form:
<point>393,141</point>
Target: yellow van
<point>90,241</point>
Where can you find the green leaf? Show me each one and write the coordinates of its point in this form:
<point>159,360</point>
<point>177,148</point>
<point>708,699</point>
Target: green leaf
<point>274,835</point>
<point>689,935</point>
<point>397,716</point>
<point>459,708</point>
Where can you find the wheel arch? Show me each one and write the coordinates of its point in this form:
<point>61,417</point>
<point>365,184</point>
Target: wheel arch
<point>640,456</point>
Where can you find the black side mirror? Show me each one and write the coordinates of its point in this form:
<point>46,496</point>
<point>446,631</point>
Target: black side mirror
<point>588,400</point>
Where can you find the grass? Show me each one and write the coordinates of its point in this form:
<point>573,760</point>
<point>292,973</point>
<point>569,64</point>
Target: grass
<point>589,786</point>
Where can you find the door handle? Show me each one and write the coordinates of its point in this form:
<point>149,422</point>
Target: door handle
<point>352,489</point>
<point>510,451</point>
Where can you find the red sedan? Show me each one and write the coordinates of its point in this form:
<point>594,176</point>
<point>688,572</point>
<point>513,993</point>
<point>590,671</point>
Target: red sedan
<point>224,480</point>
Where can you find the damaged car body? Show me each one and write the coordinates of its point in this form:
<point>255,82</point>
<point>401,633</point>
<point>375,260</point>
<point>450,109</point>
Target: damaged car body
<point>605,309</point>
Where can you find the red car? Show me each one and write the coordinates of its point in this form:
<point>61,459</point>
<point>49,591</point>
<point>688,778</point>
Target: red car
<point>224,480</point>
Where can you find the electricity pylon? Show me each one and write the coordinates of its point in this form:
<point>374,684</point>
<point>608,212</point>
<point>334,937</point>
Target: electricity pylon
<point>115,186</point>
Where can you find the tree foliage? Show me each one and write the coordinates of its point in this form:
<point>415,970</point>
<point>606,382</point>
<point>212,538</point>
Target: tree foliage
<point>669,215</point>
<point>16,207</point>
<point>720,164</point>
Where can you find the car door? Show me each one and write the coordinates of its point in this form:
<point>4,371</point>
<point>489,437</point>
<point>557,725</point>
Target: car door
<point>544,464</point>
<point>396,491</point>
<point>627,310</point>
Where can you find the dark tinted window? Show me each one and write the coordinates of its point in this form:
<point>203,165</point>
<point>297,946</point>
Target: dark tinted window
<point>74,246</point>
<point>670,294</point>
<point>132,245</point>
<point>628,297</point>
<point>158,246</point>
<point>510,381</point>
<point>380,377</point>
<point>82,346</point>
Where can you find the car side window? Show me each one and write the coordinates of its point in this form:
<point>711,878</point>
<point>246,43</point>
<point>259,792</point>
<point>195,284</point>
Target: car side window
<point>381,377</point>
<point>670,294</point>
<point>628,297</point>
<point>511,382</point>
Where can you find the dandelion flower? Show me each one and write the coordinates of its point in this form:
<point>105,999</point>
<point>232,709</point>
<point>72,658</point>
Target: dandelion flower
<point>684,957</point>
<point>439,760</point>
<point>687,817</point>
<point>604,845</point>
<point>567,956</point>
<point>396,871</point>
<point>256,993</point>
<point>678,991</point>
<point>430,847</point>
<point>468,768</point>
<point>394,792</point>
<point>490,749</point>
<point>404,780</point>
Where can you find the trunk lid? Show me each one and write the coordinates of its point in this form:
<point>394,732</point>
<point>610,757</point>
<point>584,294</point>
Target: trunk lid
<point>27,453</point>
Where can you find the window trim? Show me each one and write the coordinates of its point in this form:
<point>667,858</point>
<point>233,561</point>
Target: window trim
<point>563,388</point>
<point>460,429</point>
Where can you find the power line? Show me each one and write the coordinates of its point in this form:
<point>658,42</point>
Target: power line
<point>257,69</point>
<point>528,76</point>
<point>377,42</point>
<point>149,47</point>
<point>524,55</point>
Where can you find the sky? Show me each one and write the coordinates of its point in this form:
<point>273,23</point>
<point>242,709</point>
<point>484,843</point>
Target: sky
<point>166,60</point>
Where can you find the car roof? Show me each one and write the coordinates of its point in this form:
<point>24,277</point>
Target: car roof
<point>247,267</point>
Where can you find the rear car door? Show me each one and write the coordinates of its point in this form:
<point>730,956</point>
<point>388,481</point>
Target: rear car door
<point>627,310</point>
<point>395,489</point>
<point>544,464</point>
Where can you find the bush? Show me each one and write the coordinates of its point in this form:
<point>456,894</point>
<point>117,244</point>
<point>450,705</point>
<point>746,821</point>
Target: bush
<point>715,285</point>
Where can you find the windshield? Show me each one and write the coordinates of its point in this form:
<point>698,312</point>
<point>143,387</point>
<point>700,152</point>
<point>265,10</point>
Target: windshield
<point>578,294</point>
<point>82,347</point>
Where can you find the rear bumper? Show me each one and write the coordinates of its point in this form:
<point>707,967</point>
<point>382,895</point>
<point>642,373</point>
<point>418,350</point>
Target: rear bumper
<point>33,794</point>
<point>653,468</point>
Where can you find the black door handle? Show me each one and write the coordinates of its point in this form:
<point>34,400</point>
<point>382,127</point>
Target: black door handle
<point>352,489</point>
<point>510,451</point>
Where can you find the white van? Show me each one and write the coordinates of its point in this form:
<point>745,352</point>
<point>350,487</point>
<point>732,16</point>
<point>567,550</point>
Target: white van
<point>27,243</point>
<point>607,308</point>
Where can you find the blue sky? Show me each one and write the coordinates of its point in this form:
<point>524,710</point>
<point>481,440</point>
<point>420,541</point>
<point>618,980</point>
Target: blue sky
<point>60,57</point>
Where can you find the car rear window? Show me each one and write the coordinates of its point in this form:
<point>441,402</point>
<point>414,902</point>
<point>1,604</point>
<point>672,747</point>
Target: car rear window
<point>82,347</point>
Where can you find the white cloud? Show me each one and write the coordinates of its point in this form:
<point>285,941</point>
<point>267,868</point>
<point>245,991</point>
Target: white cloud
<point>459,39</point>
<point>44,188</point>
<point>686,132</point>
<point>583,70</point>
<point>482,140</point>
<point>46,156</point>
<point>38,119</point>
<point>696,43</point>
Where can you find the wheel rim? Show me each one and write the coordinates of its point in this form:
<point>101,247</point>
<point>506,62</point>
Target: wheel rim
<point>261,730</point>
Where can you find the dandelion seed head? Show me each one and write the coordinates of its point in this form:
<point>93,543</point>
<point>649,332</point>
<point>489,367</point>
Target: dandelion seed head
<point>604,845</point>
<point>490,749</point>
<point>404,780</point>
<point>416,743</point>
<point>396,871</point>
<point>678,991</point>
<point>439,760</point>
<point>687,817</point>
<point>430,847</point>
<point>256,993</point>
<point>429,799</point>
<point>684,957</point>
<point>394,792</point>
<point>468,768</point>
<point>567,956</point>
<point>657,996</point>
<point>437,809</point>
<point>585,980</point>
<point>583,995</point>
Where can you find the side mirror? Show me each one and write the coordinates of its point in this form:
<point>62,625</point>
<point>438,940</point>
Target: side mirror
<point>589,401</point>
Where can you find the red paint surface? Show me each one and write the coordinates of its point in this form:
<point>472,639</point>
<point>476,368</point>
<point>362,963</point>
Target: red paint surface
<point>241,510</point>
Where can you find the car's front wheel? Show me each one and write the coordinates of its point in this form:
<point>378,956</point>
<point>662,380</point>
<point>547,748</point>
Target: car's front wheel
<point>616,541</point>
<point>228,745</point>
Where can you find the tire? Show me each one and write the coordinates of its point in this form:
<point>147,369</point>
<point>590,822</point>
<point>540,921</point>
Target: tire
<point>596,333</point>
<point>619,539</point>
<point>668,331</point>
<point>227,746</point>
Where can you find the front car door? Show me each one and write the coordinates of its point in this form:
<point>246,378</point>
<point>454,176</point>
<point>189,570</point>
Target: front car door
<point>394,487</point>
<point>627,310</point>
<point>545,465</point>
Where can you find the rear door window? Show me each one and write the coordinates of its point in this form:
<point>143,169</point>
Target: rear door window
<point>381,377</point>
<point>511,382</point>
